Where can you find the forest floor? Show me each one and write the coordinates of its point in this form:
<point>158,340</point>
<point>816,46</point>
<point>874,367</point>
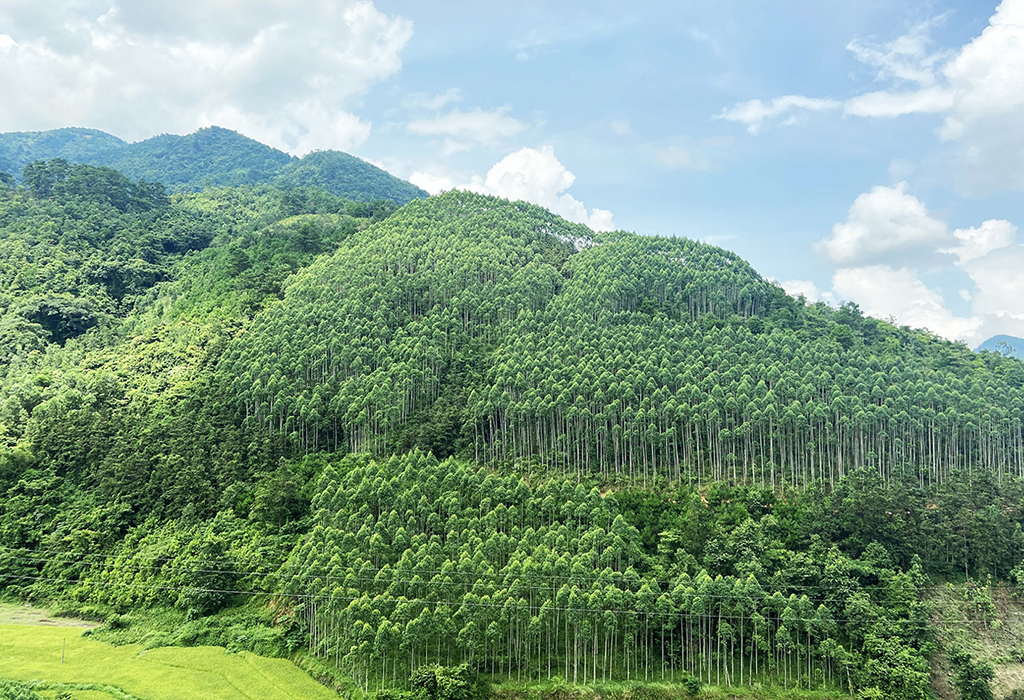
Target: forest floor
<point>60,659</point>
<point>617,690</point>
<point>989,623</point>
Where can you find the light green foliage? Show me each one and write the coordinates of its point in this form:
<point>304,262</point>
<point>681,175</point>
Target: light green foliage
<point>413,562</point>
<point>468,325</point>
<point>33,653</point>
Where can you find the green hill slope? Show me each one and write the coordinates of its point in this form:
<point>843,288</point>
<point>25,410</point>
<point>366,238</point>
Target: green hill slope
<point>630,358</point>
<point>648,462</point>
<point>209,157</point>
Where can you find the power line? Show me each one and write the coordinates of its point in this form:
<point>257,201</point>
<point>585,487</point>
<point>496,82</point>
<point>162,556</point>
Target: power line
<point>665,585</point>
<point>455,605</point>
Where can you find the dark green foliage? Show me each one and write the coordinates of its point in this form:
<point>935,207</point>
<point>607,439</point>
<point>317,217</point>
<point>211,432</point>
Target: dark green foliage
<point>12,690</point>
<point>62,317</point>
<point>346,176</point>
<point>438,682</point>
<point>970,677</point>
<point>210,157</point>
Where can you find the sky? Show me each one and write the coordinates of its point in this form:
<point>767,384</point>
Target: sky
<point>853,150</point>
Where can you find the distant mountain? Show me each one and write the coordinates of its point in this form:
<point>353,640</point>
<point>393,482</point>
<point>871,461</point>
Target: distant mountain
<point>1005,345</point>
<point>209,157</point>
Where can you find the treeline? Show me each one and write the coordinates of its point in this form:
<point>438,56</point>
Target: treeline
<point>412,562</point>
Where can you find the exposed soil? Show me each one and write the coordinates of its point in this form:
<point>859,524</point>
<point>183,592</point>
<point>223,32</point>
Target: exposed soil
<point>14,614</point>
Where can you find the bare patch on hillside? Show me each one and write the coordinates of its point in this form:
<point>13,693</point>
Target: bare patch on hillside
<point>15,614</point>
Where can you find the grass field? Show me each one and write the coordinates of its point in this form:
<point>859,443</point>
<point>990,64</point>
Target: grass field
<point>33,653</point>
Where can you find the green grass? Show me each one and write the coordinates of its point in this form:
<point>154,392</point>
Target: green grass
<point>32,653</point>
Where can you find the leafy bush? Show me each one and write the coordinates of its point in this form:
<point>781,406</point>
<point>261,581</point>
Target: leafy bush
<point>970,677</point>
<point>437,682</point>
<point>12,690</point>
<point>117,622</point>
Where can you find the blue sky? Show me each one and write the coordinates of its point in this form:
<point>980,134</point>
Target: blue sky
<point>865,151</point>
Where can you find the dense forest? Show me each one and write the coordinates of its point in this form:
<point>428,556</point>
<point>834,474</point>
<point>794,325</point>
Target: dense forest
<point>210,157</point>
<point>380,439</point>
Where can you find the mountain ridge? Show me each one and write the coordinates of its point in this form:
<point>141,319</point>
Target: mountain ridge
<point>1006,345</point>
<point>211,156</point>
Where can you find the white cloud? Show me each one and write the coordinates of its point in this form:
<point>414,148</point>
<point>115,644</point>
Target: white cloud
<point>795,288</point>
<point>434,184</point>
<point>994,260</point>
<point>537,176</point>
<point>883,224</point>
<point>530,175</point>
<point>980,241</point>
<point>620,127</point>
<point>906,59</point>
<point>883,291</point>
<point>288,71</point>
<point>477,126</point>
<point>998,299</point>
<point>979,90</point>
<point>753,112</point>
<point>895,104</point>
<point>987,118</point>
<point>420,101</point>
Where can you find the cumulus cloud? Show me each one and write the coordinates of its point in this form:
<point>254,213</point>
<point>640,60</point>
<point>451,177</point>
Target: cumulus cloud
<point>753,112</point>
<point>805,288</point>
<point>987,117</point>
<point>974,243</point>
<point>537,176</point>
<point>883,291</point>
<point>883,224</point>
<point>431,182</point>
<point>887,224</point>
<point>531,175</point>
<point>284,72</point>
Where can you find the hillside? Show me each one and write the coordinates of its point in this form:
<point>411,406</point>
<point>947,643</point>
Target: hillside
<point>209,157</point>
<point>471,431</point>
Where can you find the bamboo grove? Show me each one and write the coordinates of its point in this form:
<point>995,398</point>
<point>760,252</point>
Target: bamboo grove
<point>412,561</point>
<point>516,336</point>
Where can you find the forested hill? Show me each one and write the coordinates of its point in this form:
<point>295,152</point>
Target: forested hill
<point>209,157</point>
<point>467,325</point>
<point>467,430</point>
